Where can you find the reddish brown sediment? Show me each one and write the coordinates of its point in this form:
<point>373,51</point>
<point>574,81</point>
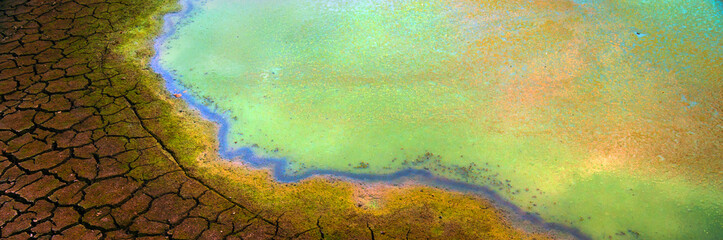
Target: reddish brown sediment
<point>93,146</point>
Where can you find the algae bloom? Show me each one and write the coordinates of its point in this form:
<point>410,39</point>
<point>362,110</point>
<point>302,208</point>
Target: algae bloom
<point>599,115</point>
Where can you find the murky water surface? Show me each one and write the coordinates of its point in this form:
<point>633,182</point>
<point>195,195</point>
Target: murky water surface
<point>601,115</point>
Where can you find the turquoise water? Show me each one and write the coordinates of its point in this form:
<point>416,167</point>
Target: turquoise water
<point>570,110</point>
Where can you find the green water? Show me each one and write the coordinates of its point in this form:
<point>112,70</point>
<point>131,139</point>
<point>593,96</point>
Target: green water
<point>603,116</point>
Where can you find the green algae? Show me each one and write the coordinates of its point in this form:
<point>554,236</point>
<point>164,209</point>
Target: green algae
<point>563,115</point>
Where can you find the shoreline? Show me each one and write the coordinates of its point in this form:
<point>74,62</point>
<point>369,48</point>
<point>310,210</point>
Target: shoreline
<point>277,166</point>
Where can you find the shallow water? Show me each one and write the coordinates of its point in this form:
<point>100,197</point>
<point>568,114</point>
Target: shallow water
<point>601,115</point>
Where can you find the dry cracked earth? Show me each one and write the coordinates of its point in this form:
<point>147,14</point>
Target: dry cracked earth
<point>76,154</point>
<point>82,154</point>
